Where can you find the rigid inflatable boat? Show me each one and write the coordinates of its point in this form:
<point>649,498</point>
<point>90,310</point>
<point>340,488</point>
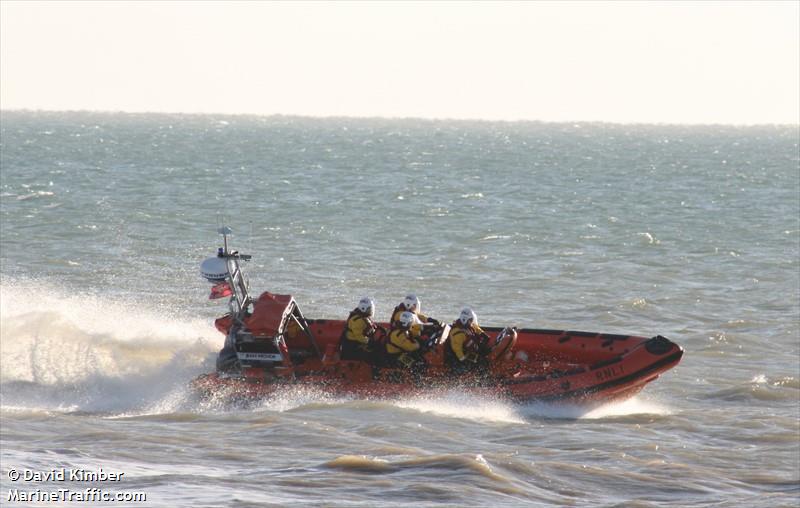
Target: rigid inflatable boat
<point>270,344</point>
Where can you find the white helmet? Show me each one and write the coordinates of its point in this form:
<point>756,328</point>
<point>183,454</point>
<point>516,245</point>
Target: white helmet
<point>407,319</point>
<point>367,306</point>
<point>467,316</point>
<point>411,302</point>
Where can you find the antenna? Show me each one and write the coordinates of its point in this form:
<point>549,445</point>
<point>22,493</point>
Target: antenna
<point>225,231</point>
<point>250,246</point>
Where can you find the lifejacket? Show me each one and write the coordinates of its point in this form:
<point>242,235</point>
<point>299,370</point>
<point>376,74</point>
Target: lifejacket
<point>394,321</point>
<point>401,341</point>
<point>416,328</point>
<point>471,343</point>
<point>369,332</point>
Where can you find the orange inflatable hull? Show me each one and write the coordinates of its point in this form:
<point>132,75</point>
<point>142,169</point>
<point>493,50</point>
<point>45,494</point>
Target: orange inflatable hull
<point>541,365</point>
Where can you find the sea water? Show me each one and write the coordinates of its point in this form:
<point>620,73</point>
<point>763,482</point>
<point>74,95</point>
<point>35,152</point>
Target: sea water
<point>691,232</point>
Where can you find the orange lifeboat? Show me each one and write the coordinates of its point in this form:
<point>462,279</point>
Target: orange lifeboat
<point>270,345</point>
<point>275,346</point>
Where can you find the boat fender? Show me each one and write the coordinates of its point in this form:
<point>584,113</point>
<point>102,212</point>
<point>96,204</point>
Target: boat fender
<point>658,345</point>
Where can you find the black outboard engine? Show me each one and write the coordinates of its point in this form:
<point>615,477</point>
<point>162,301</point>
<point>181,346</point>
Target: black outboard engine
<point>227,359</point>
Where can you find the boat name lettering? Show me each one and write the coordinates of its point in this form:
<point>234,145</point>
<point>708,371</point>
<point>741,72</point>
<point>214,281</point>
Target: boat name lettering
<point>265,357</point>
<point>609,372</point>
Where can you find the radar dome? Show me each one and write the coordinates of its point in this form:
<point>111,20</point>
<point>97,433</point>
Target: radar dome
<point>215,269</point>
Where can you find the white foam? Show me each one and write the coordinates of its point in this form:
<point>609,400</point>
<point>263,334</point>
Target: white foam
<point>295,397</point>
<point>632,406</point>
<point>482,408</point>
<point>61,351</point>
<point>464,405</point>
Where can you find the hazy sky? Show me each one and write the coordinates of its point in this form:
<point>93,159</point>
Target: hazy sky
<point>631,61</point>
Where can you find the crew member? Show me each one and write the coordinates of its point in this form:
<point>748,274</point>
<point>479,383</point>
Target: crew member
<point>467,342</point>
<point>358,341</point>
<point>412,304</point>
<point>402,348</point>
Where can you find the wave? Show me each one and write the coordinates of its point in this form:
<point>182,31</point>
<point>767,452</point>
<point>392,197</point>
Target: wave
<point>760,388</point>
<point>435,465</point>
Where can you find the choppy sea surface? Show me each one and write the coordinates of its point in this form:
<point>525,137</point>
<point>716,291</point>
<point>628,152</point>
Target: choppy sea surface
<point>688,232</point>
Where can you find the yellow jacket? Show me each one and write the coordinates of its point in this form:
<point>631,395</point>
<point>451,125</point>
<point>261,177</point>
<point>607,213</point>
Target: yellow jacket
<point>359,328</point>
<point>461,337</point>
<point>401,341</point>
<point>416,328</point>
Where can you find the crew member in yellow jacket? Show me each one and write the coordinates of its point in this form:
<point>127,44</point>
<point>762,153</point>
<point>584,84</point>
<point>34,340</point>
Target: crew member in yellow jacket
<point>467,342</point>
<point>412,304</point>
<point>402,348</point>
<point>358,339</point>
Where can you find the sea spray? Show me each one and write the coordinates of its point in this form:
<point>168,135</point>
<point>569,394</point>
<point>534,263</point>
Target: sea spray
<point>76,352</point>
<point>463,404</point>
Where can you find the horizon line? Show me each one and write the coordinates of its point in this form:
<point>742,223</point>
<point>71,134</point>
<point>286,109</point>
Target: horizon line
<point>402,118</point>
